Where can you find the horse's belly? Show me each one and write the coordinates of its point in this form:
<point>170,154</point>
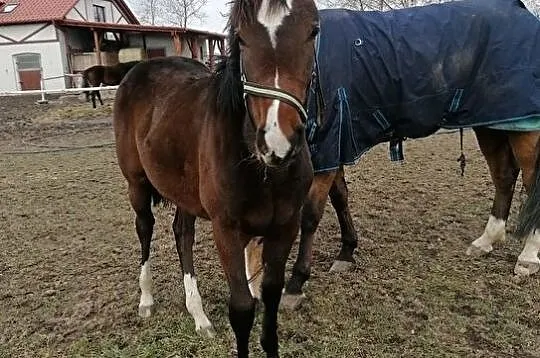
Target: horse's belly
<point>176,178</point>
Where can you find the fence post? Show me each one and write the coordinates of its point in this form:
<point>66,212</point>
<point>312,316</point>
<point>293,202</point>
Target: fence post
<point>42,86</point>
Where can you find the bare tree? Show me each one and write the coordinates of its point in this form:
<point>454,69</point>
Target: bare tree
<point>183,12</point>
<point>149,11</point>
<point>532,5</point>
<point>377,4</point>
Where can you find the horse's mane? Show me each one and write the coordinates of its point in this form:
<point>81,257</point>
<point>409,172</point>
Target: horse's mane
<point>227,89</point>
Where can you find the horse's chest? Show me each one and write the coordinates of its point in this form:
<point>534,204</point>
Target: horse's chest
<point>259,214</point>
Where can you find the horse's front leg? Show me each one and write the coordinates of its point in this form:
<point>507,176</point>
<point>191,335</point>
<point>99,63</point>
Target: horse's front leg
<point>230,244</point>
<point>276,249</point>
<point>311,216</point>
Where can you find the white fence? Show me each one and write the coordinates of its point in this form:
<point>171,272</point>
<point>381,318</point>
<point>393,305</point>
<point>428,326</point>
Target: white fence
<point>44,91</point>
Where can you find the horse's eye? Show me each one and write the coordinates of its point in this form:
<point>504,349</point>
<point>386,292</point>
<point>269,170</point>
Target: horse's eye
<point>314,32</point>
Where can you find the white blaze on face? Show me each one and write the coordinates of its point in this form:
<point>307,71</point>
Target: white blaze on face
<point>275,139</point>
<point>194,303</point>
<point>271,19</point>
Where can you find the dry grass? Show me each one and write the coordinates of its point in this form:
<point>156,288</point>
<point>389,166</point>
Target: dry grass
<point>69,267</point>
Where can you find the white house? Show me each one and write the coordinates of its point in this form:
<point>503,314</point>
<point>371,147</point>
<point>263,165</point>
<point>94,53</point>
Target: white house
<point>48,39</point>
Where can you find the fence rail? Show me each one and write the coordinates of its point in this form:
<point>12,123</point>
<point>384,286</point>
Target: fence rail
<point>56,91</point>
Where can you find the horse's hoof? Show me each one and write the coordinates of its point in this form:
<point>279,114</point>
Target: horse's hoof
<point>291,302</point>
<point>145,311</point>
<point>342,266</point>
<point>207,332</point>
<point>476,251</point>
<point>526,268</point>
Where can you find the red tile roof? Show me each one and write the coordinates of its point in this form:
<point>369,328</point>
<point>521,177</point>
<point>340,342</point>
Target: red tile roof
<point>138,28</point>
<point>31,11</point>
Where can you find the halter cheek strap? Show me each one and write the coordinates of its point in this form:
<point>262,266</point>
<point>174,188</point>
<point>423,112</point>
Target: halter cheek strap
<point>275,93</point>
<point>258,90</point>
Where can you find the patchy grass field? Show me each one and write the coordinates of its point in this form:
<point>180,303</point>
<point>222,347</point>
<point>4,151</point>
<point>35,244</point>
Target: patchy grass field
<point>70,257</point>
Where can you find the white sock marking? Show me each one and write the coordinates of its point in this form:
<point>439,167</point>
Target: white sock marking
<point>272,20</point>
<point>255,284</point>
<point>532,246</point>
<point>495,231</point>
<point>145,284</point>
<point>275,139</point>
<point>194,303</point>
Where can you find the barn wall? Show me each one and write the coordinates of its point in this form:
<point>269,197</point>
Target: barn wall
<point>51,63</point>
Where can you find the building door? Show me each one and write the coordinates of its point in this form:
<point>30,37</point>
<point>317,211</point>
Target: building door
<point>155,52</point>
<point>29,70</point>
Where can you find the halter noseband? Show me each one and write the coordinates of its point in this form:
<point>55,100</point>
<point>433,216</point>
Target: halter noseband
<point>258,90</point>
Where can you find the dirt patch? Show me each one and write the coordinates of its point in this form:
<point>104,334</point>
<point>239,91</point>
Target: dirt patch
<point>69,264</point>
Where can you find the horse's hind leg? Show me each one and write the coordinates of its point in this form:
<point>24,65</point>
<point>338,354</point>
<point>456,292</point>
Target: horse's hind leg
<point>140,195</point>
<point>99,97</point>
<point>311,216</point>
<point>184,234</point>
<point>504,171</point>
<point>93,96</point>
<point>339,197</point>
<point>524,148</point>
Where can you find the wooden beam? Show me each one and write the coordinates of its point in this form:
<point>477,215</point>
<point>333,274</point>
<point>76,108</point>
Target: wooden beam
<point>97,45</point>
<point>193,43</point>
<point>177,43</point>
<point>221,46</point>
<point>211,47</point>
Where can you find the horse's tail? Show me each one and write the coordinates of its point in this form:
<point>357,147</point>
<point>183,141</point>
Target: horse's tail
<point>529,217</point>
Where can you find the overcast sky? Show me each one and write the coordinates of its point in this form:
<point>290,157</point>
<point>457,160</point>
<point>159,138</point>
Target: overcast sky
<point>214,21</point>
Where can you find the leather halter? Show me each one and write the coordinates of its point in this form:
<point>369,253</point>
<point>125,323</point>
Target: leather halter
<point>259,90</point>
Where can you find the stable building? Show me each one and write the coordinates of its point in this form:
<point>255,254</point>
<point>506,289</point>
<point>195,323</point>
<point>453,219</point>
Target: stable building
<point>45,43</point>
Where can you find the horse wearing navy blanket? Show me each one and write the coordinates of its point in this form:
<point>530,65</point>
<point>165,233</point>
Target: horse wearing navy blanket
<point>387,76</point>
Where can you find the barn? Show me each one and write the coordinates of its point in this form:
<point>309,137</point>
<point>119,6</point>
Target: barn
<point>46,43</point>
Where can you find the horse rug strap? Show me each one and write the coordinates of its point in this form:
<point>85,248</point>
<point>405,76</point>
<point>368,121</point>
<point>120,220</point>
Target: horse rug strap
<point>386,76</point>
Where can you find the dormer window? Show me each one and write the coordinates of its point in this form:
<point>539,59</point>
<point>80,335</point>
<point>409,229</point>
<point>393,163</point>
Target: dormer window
<point>99,13</point>
<point>8,8</point>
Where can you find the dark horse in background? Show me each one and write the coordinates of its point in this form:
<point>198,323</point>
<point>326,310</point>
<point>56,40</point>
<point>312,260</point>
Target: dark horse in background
<point>227,146</point>
<point>97,75</point>
<point>386,76</point>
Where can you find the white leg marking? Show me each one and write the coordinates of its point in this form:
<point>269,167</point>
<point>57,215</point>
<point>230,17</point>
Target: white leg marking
<point>194,306</point>
<point>272,17</point>
<point>253,264</point>
<point>494,232</point>
<point>145,284</point>
<point>528,262</point>
<point>274,137</point>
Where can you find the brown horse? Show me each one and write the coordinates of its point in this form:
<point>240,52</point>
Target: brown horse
<point>225,149</point>
<point>108,75</point>
<point>507,152</point>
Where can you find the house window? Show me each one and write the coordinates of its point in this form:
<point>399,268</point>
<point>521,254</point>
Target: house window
<point>9,8</point>
<point>28,61</point>
<point>99,13</point>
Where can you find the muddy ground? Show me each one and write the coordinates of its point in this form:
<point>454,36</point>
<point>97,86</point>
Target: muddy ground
<point>69,259</point>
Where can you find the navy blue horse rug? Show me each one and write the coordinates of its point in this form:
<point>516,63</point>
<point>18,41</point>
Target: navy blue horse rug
<point>385,76</point>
